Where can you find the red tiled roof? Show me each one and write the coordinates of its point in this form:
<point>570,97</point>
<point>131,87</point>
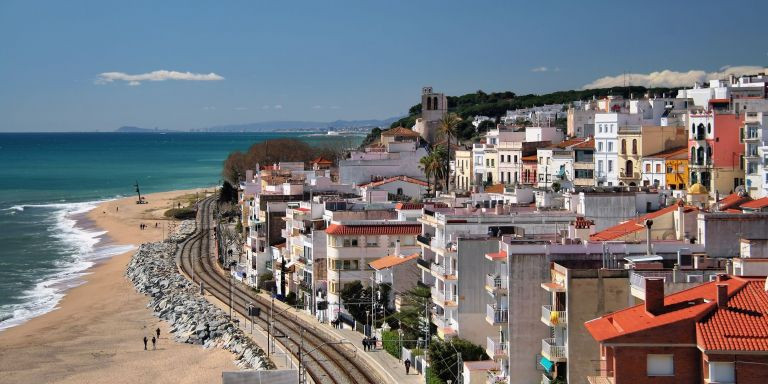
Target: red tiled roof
<point>570,142</point>
<point>321,160</point>
<point>400,131</point>
<point>734,200</point>
<point>374,229</point>
<point>496,188</point>
<point>391,261</point>
<point>406,179</point>
<point>681,152</point>
<point>742,326</point>
<point>529,158</point>
<point>302,209</point>
<point>682,310</point>
<point>756,204</point>
<point>634,225</point>
<point>414,206</point>
<point>586,144</point>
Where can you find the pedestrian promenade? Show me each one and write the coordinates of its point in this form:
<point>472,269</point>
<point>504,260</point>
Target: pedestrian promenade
<point>388,366</point>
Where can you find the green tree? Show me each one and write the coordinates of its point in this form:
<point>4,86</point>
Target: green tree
<point>448,129</point>
<point>432,168</point>
<point>357,301</point>
<point>443,356</point>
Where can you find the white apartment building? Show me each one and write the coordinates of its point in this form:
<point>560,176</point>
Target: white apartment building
<point>396,154</point>
<point>756,152</point>
<point>606,148</point>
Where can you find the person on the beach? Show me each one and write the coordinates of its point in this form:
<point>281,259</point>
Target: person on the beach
<point>154,341</point>
<point>407,366</point>
<point>365,344</point>
<point>117,209</point>
<point>145,343</point>
<point>158,332</point>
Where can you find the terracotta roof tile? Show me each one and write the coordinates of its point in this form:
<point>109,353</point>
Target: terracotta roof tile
<point>635,224</point>
<point>391,261</point>
<point>742,326</point>
<point>571,142</point>
<point>756,204</point>
<point>374,229</point>
<point>406,179</point>
<point>321,160</point>
<point>496,188</point>
<point>734,200</point>
<point>679,152</point>
<point>496,255</point>
<point>400,131</point>
<point>586,144</point>
<point>676,324</point>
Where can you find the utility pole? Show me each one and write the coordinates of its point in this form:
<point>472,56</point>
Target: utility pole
<point>459,367</point>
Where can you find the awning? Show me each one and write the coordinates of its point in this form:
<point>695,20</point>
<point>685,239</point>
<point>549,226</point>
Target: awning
<point>640,259</point>
<point>544,362</point>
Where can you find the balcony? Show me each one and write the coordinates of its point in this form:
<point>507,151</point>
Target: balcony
<point>552,351</point>
<point>494,315</point>
<point>553,318</point>
<point>423,263</point>
<point>442,271</point>
<point>601,380</point>
<point>495,348</point>
<point>495,377</point>
<point>630,175</point>
<point>423,240</point>
<point>495,283</point>
<point>443,299</point>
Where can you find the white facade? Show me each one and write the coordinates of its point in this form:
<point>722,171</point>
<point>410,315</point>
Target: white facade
<point>607,148</point>
<point>361,166</point>
<point>653,172</point>
<point>756,153</point>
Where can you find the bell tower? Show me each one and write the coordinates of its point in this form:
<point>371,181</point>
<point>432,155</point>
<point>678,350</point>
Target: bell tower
<point>433,108</point>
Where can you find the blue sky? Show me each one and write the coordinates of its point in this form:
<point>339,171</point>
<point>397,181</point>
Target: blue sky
<point>248,61</point>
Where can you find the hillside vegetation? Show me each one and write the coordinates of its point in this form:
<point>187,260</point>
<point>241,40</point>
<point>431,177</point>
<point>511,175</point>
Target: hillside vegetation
<point>496,104</point>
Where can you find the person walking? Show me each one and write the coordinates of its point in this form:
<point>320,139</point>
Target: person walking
<point>158,333</point>
<point>372,346</point>
<point>145,343</point>
<point>407,366</point>
<point>365,344</point>
<point>154,341</point>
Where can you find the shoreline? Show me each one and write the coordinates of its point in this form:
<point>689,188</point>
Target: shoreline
<point>94,332</point>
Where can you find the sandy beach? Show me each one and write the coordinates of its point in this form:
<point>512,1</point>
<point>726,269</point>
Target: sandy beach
<point>95,335</point>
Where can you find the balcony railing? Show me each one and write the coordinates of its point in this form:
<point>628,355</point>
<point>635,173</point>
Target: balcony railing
<point>441,297</point>
<point>496,315</point>
<point>495,347</point>
<point>423,263</point>
<point>553,318</point>
<point>495,282</point>
<point>630,175</point>
<point>495,377</point>
<point>442,270</point>
<point>552,351</point>
<point>424,240</point>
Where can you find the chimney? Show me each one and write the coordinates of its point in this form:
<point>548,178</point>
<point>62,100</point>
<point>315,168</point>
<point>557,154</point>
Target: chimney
<point>654,295</point>
<point>722,296</point>
<point>397,248</point>
<point>648,225</point>
<point>721,277</point>
<point>680,220</point>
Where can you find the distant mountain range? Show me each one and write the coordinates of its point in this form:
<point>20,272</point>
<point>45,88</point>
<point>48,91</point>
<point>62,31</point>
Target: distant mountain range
<point>280,126</point>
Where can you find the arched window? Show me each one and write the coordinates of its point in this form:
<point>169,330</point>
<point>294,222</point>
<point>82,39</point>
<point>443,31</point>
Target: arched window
<point>700,156</point>
<point>434,103</point>
<point>709,155</point>
<point>709,128</point>
<point>429,103</point>
<point>693,129</point>
<point>400,191</point>
<point>693,155</point>
<point>693,178</point>
<point>634,146</point>
<point>700,132</point>
<point>623,146</point>
<point>629,168</point>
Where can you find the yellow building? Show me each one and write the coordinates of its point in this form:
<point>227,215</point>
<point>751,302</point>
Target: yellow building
<point>677,169</point>
<point>637,142</point>
<point>463,170</point>
<point>668,169</point>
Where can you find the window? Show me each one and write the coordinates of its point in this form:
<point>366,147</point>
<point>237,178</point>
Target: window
<point>346,264</point>
<point>660,365</point>
<point>623,146</point>
<point>492,162</point>
<point>599,146</point>
<point>350,242</point>
<point>610,146</point>
<point>599,166</point>
<point>658,168</point>
<point>647,168</point>
<point>515,158</point>
<point>540,160</point>
<point>634,146</point>
<point>721,372</point>
<point>610,165</point>
<point>371,241</point>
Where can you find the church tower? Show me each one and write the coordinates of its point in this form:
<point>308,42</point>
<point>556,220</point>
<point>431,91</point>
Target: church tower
<point>433,107</point>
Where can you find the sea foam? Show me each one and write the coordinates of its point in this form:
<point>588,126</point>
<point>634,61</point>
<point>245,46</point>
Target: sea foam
<point>82,250</point>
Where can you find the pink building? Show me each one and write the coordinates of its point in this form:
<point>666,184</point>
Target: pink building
<point>715,148</point>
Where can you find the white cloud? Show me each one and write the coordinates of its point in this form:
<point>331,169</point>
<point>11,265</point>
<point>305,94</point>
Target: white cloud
<point>240,108</point>
<point>539,69</point>
<point>161,75</point>
<point>669,78</point>
<point>278,106</point>
<point>209,108</point>
<point>317,107</point>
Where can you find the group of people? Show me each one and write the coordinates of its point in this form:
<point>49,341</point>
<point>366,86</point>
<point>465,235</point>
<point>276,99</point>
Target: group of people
<point>369,343</point>
<point>143,226</point>
<point>154,340</point>
<point>337,323</point>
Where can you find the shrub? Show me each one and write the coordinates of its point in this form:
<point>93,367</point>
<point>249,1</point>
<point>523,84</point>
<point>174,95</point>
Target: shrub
<point>390,341</point>
<point>185,213</point>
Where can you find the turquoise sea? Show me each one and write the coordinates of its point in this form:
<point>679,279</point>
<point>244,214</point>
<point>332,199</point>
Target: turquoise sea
<point>49,180</point>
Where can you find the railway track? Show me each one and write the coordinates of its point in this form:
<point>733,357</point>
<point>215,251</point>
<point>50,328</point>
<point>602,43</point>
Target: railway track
<point>325,360</point>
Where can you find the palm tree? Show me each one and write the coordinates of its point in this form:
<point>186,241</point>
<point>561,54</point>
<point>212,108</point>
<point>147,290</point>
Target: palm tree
<point>426,164</point>
<point>432,167</point>
<point>448,129</point>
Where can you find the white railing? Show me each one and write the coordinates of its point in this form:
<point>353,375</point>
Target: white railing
<point>550,349</point>
<point>495,347</point>
<point>637,279</point>
<point>495,377</point>
<point>440,296</point>
<point>553,317</point>
<point>496,315</point>
<point>495,282</point>
<point>441,269</point>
